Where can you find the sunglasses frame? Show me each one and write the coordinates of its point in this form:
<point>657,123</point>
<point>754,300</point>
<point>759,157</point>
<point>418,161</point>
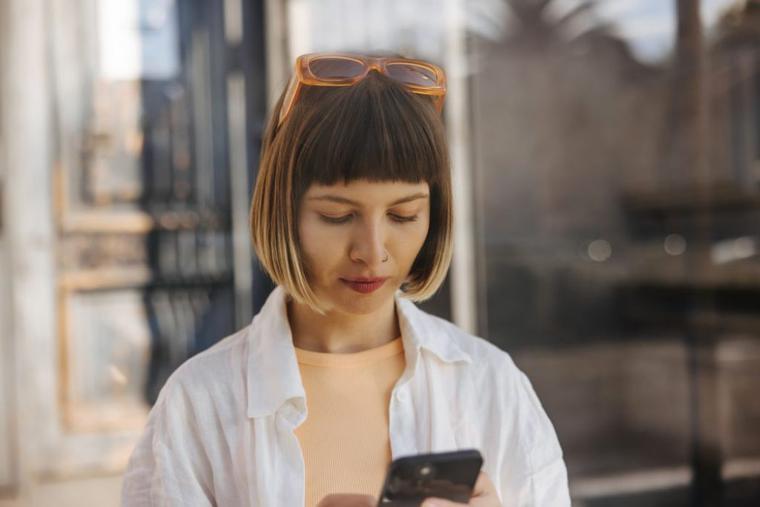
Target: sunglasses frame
<point>303,76</point>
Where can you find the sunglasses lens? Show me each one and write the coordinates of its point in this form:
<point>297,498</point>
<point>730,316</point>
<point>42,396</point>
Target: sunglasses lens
<point>332,68</point>
<point>412,74</point>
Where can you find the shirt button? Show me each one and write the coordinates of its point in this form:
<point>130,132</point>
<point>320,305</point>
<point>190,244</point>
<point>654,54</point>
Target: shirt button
<point>401,395</point>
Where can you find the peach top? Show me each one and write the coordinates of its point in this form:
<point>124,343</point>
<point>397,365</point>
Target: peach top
<point>344,439</point>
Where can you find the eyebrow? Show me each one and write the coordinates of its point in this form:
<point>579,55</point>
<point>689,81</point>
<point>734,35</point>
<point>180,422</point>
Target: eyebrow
<point>343,200</point>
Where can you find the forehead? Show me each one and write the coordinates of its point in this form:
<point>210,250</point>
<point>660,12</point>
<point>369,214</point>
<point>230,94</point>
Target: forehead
<point>368,193</point>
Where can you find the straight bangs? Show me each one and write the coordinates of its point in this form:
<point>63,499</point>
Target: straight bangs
<point>375,131</point>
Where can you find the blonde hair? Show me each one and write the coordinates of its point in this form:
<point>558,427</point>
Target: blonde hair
<point>375,130</point>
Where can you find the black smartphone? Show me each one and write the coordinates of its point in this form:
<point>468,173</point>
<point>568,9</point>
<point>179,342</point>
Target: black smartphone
<point>449,475</point>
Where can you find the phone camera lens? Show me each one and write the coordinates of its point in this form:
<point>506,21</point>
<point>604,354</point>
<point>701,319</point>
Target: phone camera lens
<point>425,470</point>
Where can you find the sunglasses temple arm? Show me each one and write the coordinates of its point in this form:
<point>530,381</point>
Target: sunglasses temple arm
<point>288,100</point>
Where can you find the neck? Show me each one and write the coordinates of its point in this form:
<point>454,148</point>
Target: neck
<point>338,332</point>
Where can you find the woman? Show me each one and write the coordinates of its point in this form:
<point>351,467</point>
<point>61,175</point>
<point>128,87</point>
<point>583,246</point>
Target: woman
<point>340,372</point>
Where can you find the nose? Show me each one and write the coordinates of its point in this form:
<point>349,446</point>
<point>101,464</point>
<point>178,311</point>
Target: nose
<point>368,245</point>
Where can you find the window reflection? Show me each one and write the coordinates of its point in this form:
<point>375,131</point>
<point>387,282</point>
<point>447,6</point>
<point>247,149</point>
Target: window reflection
<point>616,173</point>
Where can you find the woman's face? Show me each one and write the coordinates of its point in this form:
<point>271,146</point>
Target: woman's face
<point>359,240</point>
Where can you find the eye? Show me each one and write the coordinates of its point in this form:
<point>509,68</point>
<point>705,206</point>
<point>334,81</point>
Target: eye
<point>402,218</point>
<point>336,220</point>
<point>347,218</point>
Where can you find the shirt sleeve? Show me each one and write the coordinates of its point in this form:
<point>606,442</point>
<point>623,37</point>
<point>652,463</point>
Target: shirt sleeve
<point>545,482</point>
<point>168,467</point>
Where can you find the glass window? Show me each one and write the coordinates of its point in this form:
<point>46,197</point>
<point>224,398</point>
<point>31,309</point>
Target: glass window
<point>617,185</point>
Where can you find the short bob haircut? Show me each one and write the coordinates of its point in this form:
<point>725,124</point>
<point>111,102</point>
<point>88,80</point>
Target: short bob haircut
<point>375,130</point>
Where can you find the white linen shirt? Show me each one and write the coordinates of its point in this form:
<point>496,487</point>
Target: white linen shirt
<point>221,431</point>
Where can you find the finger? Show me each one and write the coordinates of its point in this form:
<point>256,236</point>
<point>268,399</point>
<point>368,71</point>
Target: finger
<point>483,486</point>
<point>440,502</point>
<point>342,500</point>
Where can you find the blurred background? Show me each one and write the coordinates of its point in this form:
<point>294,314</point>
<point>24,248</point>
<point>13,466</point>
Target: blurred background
<point>607,175</point>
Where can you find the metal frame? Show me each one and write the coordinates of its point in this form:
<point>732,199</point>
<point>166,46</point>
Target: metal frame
<point>8,439</point>
<point>463,272</point>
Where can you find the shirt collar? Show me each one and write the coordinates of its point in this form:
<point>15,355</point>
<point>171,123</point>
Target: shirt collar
<point>273,376</point>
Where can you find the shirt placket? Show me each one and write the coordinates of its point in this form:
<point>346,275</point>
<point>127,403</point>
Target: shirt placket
<point>280,471</point>
<point>401,422</point>
<point>292,488</point>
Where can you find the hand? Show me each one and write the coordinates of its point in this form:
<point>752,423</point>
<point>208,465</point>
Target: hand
<point>483,495</point>
<point>347,501</point>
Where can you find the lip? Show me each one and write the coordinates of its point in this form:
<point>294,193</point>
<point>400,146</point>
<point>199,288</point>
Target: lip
<point>365,285</point>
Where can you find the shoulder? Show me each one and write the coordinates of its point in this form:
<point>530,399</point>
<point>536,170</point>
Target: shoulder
<point>215,374</point>
<point>496,381</point>
<point>487,359</point>
<point>182,446</point>
<point>490,370</point>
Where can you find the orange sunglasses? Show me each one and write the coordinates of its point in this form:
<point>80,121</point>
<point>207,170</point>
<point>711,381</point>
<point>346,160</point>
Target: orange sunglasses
<point>345,69</point>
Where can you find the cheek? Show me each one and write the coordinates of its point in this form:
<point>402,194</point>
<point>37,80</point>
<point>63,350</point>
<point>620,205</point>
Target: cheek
<point>411,243</point>
<point>320,244</point>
